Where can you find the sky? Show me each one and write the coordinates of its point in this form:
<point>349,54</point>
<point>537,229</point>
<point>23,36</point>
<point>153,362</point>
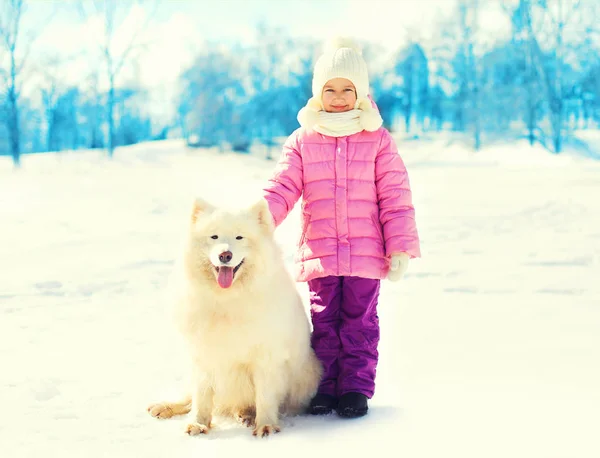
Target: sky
<point>179,27</point>
<point>169,33</point>
<point>489,346</point>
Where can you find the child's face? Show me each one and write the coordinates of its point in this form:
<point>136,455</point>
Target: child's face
<point>339,94</point>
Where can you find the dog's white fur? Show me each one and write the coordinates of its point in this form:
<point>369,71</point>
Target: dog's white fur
<point>249,344</point>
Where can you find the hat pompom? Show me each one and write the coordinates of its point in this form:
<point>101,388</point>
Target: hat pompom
<point>370,119</point>
<point>342,42</point>
<point>308,116</point>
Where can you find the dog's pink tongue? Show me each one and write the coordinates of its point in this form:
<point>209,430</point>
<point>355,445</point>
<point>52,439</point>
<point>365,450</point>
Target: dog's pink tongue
<point>225,277</point>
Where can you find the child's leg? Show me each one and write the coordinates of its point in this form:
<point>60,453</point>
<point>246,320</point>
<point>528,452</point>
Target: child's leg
<point>359,336</point>
<point>325,298</point>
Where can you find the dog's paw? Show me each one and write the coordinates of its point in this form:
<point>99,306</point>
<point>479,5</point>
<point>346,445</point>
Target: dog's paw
<point>246,419</point>
<point>161,411</point>
<point>265,430</point>
<point>194,429</point>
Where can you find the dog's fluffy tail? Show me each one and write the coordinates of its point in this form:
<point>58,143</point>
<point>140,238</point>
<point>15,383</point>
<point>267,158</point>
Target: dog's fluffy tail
<point>304,384</point>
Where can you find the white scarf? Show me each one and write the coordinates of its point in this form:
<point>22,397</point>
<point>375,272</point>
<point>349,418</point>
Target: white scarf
<point>339,124</point>
<point>363,117</point>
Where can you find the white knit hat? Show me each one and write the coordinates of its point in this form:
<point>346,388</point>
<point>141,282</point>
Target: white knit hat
<point>342,58</point>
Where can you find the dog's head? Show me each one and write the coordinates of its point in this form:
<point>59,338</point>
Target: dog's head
<point>229,243</point>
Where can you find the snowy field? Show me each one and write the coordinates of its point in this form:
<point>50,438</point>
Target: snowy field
<point>490,345</point>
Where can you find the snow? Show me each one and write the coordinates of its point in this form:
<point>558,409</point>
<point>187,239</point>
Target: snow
<point>490,345</point>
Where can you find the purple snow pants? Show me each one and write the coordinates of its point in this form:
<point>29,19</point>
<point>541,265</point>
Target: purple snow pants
<point>345,332</point>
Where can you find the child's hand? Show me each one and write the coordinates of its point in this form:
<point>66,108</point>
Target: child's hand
<point>398,266</point>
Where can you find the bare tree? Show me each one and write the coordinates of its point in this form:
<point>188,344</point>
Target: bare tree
<point>53,91</point>
<point>10,30</point>
<point>92,111</point>
<point>411,85</point>
<point>112,12</point>
<point>544,26</point>
<point>50,96</point>
<point>590,64</point>
<point>15,46</point>
<point>456,61</point>
<point>525,40</point>
<point>470,92</point>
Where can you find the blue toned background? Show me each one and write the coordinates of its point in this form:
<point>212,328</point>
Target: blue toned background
<point>233,73</point>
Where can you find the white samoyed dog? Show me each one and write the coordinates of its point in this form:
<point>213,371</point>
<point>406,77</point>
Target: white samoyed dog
<point>242,322</point>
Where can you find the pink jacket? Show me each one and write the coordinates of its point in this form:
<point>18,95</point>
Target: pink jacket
<point>357,204</point>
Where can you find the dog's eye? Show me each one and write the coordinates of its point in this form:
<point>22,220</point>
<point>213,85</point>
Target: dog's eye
<point>214,237</point>
<point>239,237</point>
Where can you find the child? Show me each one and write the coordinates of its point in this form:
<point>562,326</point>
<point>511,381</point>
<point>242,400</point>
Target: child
<point>358,223</point>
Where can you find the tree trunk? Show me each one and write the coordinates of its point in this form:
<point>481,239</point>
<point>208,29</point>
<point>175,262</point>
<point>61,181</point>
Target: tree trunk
<point>13,114</point>
<point>51,143</point>
<point>531,99</point>
<point>110,116</point>
<point>13,128</point>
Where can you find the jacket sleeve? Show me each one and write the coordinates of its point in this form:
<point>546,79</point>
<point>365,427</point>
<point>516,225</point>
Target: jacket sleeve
<point>285,186</point>
<point>396,211</point>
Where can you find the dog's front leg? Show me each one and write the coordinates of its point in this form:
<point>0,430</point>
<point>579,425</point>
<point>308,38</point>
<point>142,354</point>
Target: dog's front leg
<point>267,392</point>
<point>202,406</point>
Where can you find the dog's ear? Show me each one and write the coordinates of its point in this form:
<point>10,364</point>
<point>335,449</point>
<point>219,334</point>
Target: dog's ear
<point>261,212</point>
<point>199,208</point>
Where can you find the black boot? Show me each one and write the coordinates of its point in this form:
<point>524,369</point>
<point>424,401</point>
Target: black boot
<point>322,404</point>
<point>352,405</point>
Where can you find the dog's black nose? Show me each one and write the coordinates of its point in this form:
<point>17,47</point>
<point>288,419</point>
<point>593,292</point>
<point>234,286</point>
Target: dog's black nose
<point>225,256</point>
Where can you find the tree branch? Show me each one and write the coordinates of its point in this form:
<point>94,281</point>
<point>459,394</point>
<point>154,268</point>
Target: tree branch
<point>132,43</point>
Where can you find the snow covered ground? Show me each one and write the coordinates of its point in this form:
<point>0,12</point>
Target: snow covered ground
<point>490,346</point>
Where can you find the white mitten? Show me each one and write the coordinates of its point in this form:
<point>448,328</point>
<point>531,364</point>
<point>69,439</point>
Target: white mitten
<point>398,266</point>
